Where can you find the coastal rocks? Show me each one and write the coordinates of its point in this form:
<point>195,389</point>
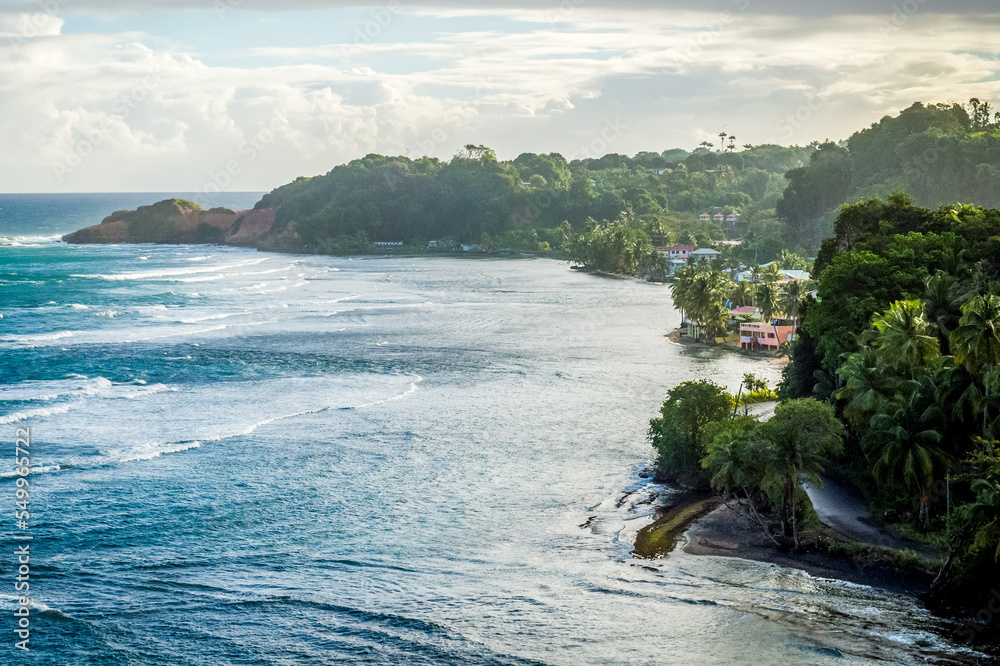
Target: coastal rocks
<point>176,221</point>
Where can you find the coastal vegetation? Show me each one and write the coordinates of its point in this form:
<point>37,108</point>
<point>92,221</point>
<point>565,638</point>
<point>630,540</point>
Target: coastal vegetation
<point>938,153</point>
<point>700,441</point>
<point>705,293</point>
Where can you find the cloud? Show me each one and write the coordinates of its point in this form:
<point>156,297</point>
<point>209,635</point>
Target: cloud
<point>137,111</point>
<point>786,8</point>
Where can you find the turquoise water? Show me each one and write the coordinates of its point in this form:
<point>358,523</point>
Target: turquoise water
<point>249,458</point>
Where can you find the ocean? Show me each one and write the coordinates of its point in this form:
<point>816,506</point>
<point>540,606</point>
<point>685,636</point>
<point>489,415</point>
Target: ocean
<point>250,458</point>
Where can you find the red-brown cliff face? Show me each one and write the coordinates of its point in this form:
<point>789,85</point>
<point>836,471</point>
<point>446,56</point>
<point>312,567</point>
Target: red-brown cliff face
<point>176,221</point>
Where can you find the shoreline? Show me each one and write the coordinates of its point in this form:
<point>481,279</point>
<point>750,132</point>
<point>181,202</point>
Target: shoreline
<point>679,336</point>
<point>702,524</point>
<point>725,533</point>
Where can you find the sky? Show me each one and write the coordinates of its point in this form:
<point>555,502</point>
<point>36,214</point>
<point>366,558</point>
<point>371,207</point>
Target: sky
<point>246,95</point>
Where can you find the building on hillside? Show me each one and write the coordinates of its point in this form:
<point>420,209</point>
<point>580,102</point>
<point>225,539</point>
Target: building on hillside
<point>705,254</point>
<point>719,217</point>
<point>745,311</point>
<point>679,252</point>
<point>796,276</point>
<point>760,336</point>
<point>705,217</point>
<point>732,218</point>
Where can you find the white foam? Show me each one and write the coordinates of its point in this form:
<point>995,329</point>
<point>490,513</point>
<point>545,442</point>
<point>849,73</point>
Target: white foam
<point>171,272</point>
<point>21,241</point>
<point>34,414</point>
<point>29,340</point>
<point>408,392</point>
<point>110,314</point>
<point>155,451</point>
<point>34,470</point>
<point>198,320</point>
<point>301,283</point>
<point>78,306</point>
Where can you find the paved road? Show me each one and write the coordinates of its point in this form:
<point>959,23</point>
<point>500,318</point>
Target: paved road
<point>842,510</point>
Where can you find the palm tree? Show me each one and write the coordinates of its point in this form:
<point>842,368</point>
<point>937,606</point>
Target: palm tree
<point>904,337</point>
<point>866,385</point>
<point>742,295</point>
<point>906,448</point>
<point>790,301</point>
<point>755,274</point>
<point>735,462</point>
<point>681,289</point>
<point>704,299</point>
<point>773,273</point>
<point>985,512</point>
<point>804,434</point>
<point>976,341</point>
<point>942,305</point>
<point>767,302</point>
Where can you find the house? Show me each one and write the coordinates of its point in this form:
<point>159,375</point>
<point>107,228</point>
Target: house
<point>657,172</point>
<point>705,254</point>
<point>756,336</point>
<point>745,311</point>
<point>390,244</point>
<point>679,251</point>
<point>796,276</point>
<point>705,217</point>
<point>719,217</point>
<point>434,244</point>
<point>732,218</point>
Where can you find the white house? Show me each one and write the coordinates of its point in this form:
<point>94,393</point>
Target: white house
<point>705,217</point>
<point>705,254</point>
<point>679,252</point>
<point>796,276</point>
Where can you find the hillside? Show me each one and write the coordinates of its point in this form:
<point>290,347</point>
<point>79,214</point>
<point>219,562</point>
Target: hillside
<point>937,154</point>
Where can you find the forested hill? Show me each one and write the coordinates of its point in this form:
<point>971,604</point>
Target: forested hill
<point>772,198</point>
<point>474,198</point>
<point>938,154</point>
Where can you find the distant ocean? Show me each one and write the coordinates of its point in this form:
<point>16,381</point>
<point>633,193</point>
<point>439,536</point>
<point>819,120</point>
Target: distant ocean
<point>252,458</point>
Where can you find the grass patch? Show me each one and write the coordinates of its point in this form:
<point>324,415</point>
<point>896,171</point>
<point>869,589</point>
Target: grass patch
<point>658,539</point>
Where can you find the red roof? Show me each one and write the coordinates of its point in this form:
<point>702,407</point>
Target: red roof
<point>682,248</point>
<point>745,310</point>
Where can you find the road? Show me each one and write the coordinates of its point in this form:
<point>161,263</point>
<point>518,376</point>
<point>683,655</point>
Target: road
<point>840,509</point>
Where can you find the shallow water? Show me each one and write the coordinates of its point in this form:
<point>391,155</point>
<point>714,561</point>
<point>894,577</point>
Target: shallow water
<point>248,458</point>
